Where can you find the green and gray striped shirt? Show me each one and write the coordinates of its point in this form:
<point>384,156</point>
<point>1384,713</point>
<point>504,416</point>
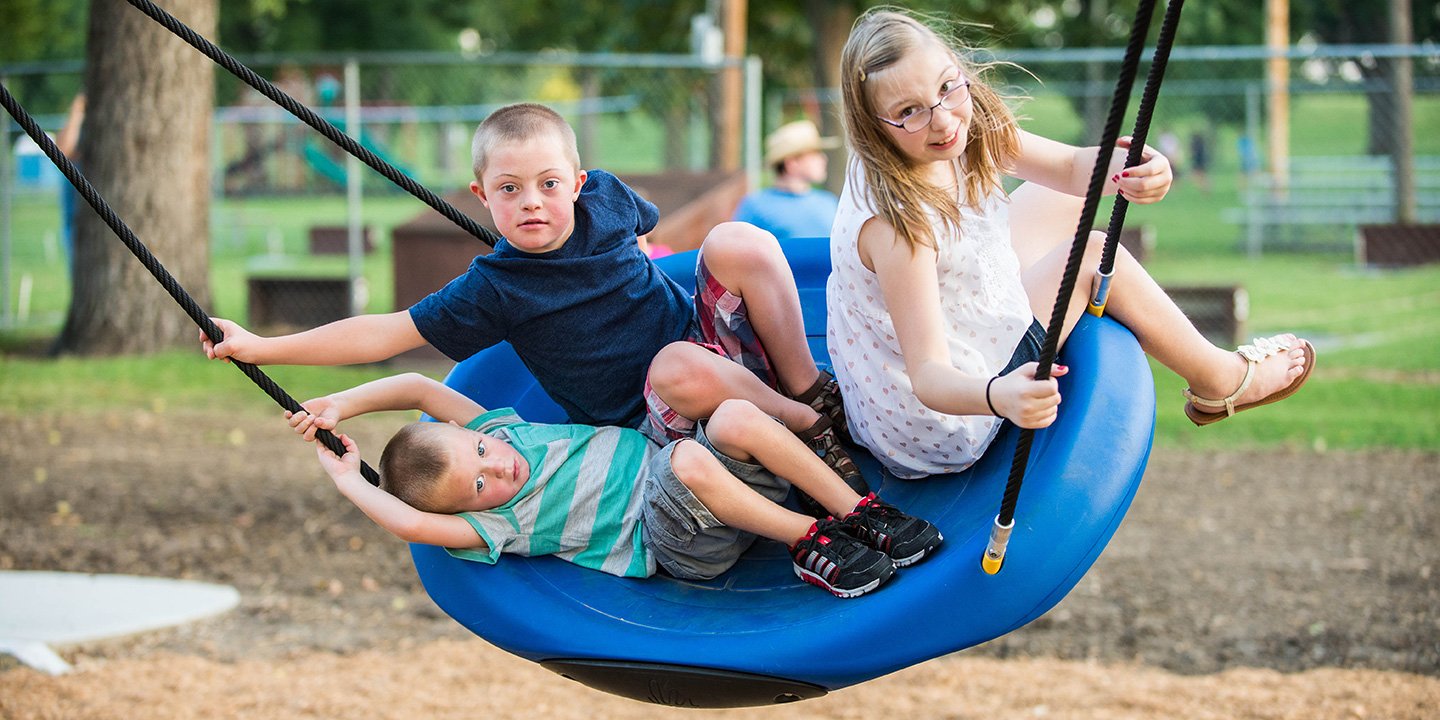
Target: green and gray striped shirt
<point>581,502</point>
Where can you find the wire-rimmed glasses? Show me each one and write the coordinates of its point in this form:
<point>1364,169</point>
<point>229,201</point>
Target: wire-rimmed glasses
<point>918,119</point>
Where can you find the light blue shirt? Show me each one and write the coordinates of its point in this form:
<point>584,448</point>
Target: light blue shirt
<point>581,502</point>
<point>790,215</point>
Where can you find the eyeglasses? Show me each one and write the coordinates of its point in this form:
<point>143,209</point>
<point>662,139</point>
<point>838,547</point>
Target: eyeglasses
<point>915,120</point>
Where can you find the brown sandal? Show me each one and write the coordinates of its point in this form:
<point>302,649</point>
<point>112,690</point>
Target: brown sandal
<point>824,397</point>
<point>1204,411</point>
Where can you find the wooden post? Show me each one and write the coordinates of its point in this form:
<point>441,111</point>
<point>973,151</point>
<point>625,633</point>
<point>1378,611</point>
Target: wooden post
<point>1402,140</point>
<point>732,86</point>
<point>1277,72</point>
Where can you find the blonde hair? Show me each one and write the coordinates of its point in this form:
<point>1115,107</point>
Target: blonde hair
<point>414,465</point>
<point>518,123</point>
<point>880,39</point>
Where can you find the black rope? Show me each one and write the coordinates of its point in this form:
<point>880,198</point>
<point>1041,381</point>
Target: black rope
<point>1128,69</point>
<point>346,143</point>
<point>168,281</point>
<point>1143,116</point>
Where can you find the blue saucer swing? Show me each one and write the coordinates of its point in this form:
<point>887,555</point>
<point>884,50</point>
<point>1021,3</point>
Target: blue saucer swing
<point>756,634</point>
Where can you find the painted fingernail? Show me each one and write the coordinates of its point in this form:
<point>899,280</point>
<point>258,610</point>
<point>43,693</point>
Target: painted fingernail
<point>1125,174</point>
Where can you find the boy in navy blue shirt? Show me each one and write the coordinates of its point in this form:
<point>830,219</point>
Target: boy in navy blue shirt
<point>587,312</point>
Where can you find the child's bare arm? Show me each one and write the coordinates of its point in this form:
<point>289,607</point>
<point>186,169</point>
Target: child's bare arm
<point>408,391</point>
<point>1067,168</point>
<point>390,512</point>
<point>353,340</point>
<point>909,283</point>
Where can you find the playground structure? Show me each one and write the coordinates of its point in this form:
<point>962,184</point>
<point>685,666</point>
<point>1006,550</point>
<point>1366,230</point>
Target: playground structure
<point>275,156</point>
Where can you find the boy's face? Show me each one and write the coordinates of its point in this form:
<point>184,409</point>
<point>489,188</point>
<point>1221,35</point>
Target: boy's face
<point>485,472</point>
<point>530,188</point>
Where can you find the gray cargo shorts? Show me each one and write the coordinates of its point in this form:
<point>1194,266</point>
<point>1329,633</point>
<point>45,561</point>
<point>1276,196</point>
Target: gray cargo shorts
<point>680,532</point>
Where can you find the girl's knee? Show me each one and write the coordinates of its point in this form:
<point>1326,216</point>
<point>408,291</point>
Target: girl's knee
<point>1094,249</point>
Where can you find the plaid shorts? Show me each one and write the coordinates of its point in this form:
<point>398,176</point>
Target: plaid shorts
<point>722,326</point>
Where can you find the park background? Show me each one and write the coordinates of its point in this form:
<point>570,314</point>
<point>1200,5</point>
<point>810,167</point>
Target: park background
<point>680,94</point>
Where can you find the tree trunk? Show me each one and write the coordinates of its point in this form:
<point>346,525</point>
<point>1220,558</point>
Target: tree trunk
<point>146,148</point>
<point>832,22</point>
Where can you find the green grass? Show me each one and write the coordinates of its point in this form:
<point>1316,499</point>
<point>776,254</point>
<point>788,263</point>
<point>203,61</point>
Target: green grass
<point>160,382</point>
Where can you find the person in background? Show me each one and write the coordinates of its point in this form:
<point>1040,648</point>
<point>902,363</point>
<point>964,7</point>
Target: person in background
<point>1200,160</point>
<point>68,141</point>
<point>1249,159</point>
<point>793,207</point>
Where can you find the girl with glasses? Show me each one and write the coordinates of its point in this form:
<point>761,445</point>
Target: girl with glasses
<point>942,282</point>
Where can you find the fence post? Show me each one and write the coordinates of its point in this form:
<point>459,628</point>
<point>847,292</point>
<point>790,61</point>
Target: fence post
<point>1401,73</point>
<point>1277,73</point>
<point>7,318</point>
<point>353,187</point>
<point>752,121</point>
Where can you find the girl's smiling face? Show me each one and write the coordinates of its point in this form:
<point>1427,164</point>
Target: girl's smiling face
<point>917,82</point>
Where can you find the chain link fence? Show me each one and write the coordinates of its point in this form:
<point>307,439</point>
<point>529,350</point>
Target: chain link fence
<point>1351,140</point>
<point>1357,151</point>
<point>282,216</point>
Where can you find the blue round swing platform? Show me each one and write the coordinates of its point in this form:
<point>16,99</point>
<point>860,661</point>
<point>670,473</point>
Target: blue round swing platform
<point>757,635</point>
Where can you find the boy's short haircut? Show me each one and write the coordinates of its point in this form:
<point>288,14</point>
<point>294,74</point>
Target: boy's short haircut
<point>518,123</point>
<point>414,464</point>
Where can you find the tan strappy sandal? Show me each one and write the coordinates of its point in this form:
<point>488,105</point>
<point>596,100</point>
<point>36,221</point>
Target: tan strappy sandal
<point>1203,411</point>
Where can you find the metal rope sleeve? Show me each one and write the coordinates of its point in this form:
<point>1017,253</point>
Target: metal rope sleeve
<point>1143,115</point>
<point>332,133</point>
<point>168,281</point>
<point>1128,69</point>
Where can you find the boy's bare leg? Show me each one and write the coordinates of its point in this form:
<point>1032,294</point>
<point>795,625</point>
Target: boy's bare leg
<point>731,501</point>
<point>749,263</point>
<point>694,381</point>
<point>744,432</point>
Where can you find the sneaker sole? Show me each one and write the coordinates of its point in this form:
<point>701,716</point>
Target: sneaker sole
<point>814,579</point>
<point>917,557</point>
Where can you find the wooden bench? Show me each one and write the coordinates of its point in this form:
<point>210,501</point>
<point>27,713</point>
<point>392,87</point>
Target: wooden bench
<point>288,303</point>
<point>1219,312</point>
<point>335,240</point>
<point>1393,245</point>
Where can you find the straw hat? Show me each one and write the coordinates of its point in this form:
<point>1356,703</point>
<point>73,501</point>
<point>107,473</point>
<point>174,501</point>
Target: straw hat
<point>796,138</point>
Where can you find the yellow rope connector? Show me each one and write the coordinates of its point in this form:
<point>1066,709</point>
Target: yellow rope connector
<point>994,555</point>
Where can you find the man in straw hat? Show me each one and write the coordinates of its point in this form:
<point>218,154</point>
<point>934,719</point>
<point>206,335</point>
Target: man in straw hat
<point>793,207</point>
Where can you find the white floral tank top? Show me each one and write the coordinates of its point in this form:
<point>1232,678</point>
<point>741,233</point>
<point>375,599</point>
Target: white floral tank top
<point>985,311</point>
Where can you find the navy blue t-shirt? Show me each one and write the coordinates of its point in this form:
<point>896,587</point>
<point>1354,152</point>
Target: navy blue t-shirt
<point>586,318</point>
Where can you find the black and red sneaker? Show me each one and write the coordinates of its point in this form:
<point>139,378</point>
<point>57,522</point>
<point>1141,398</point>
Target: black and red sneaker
<point>829,556</point>
<point>905,538</point>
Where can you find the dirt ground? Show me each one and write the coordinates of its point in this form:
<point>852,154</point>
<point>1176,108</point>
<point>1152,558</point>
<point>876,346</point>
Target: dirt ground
<point>1241,585</point>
